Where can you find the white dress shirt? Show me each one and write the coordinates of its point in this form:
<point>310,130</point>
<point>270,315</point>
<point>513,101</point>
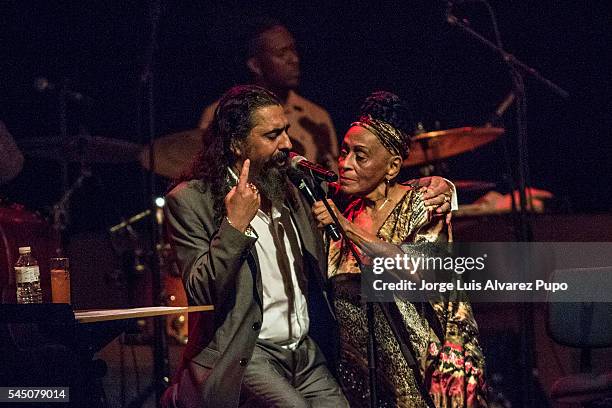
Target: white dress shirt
<point>285,311</point>
<point>454,199</point>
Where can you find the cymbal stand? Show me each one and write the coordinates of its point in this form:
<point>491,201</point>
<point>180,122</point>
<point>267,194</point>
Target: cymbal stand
<point>161,369</point>
<point>517,70</point>
<point>428,168</point>
<point>63,125</point>
<point>60,212</point>
<point>431,167</point>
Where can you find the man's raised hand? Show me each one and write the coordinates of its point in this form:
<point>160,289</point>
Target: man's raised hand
<point>242,201</point>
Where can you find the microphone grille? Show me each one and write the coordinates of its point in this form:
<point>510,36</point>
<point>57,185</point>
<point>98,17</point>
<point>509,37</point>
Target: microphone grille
<point>294,159</point>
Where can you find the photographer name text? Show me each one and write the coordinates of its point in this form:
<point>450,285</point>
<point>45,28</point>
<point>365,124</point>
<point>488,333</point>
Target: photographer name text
<point>472,286</point>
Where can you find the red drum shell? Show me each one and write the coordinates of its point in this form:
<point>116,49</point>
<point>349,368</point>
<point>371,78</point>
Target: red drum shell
<point>19,227</point>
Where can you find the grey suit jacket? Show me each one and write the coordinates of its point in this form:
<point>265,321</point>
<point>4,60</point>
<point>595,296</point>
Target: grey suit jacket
<point>219,266</point>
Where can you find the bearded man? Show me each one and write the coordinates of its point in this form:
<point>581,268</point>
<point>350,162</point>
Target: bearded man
<point>245,242</point>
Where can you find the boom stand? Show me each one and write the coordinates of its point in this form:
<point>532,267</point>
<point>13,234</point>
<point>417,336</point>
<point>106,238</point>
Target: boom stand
<point>161,369</point>
<point>517,70</point>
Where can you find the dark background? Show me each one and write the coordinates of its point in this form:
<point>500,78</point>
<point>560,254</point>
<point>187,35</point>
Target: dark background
<point>347,50</point>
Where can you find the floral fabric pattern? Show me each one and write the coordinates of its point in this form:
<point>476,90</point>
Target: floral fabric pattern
<point>452,368</point>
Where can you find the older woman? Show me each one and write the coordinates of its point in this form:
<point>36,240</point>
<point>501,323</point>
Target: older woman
<point>383,215</point>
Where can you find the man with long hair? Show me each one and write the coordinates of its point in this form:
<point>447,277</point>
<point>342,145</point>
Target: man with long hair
<point>245,243</point>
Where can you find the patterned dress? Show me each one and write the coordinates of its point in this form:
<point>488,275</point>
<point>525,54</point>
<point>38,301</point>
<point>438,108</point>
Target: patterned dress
<point>452,371</point>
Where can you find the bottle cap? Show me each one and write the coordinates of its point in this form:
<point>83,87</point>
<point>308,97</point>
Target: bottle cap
<point>24,250</point>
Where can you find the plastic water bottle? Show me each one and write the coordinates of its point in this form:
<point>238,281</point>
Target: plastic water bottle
<point>27,277</point>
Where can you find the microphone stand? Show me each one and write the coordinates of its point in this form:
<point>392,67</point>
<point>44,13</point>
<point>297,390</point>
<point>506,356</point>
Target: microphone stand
<point>59,212</point>
<point>508,58</point>
<point>518,70</point>
<point>161,370</point>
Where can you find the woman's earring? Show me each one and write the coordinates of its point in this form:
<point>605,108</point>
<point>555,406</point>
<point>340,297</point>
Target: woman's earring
<point>387,182</point>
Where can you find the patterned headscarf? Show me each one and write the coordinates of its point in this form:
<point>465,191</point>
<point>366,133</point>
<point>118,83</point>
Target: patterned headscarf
<point>393,139</point>
<point>387,116</point>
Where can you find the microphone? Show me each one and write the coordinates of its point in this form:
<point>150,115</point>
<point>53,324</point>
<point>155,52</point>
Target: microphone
<point>448,10</point>
<point>300,163</point>
<point>298,178</point>
<point>42,84</point>
<point>503,106</point>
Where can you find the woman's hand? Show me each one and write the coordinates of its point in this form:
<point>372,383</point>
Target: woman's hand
<point>322,216</point>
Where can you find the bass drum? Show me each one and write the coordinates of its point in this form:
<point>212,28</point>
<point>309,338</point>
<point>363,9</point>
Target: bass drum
<point>19,227</point>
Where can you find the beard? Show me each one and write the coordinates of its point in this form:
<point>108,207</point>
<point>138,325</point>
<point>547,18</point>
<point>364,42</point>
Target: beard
<point>272,179</point>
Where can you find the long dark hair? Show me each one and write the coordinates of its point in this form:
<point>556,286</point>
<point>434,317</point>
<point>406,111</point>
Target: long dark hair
<point>231,124</point>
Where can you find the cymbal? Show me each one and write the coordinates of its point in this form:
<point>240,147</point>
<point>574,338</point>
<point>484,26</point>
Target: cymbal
<point>473,185</point>
<point>441,144</point>
<point>81,148</point>
<point>173,153</point>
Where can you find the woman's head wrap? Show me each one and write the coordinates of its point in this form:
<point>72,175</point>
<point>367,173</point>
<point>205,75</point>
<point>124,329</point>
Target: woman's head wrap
<point>388,118</point>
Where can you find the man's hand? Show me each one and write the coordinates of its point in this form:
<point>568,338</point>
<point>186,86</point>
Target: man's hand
<point>437,194</point>
<point>242,201</point>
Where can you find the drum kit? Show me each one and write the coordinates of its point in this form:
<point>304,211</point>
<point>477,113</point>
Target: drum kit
<point>174,152</point>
